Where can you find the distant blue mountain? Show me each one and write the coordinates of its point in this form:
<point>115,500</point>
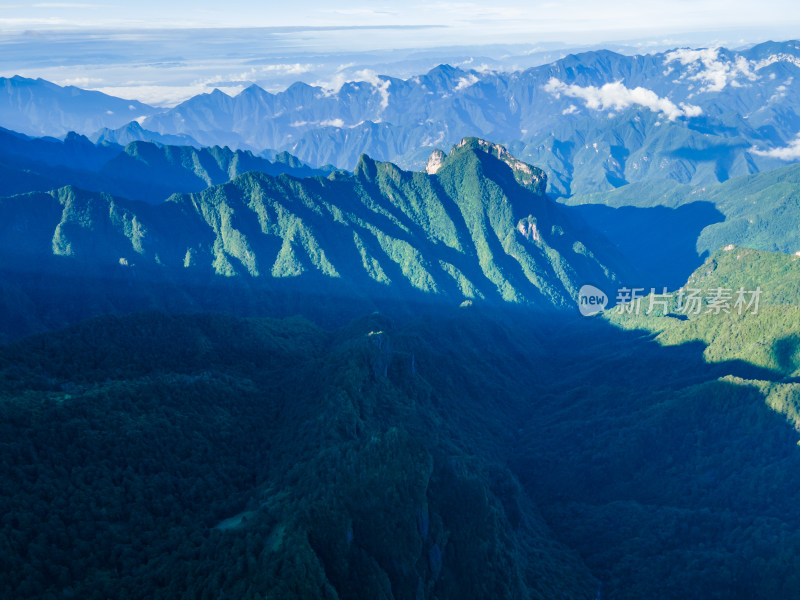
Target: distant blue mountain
<point>594,121</point>
<point>140,170</point>
<point>40,108</point>
<point>134,132</point>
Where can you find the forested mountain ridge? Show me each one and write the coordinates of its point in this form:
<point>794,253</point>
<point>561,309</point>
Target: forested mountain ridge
<point>763,331</point>
<point>194,404</point>
<point>140,170</point>
<point>760,211</point>
<point>479,228</point>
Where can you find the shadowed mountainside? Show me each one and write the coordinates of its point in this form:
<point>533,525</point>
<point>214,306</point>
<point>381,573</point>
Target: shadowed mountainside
<point>502,453</point>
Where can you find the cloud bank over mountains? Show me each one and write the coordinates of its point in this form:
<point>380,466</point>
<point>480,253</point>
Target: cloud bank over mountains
<point>790,152</point>
<point>615,96</point>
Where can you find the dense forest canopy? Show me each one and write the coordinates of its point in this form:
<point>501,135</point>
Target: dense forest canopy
<point>505,454</point>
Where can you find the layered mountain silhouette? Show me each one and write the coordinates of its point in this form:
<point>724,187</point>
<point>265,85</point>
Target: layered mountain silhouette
<point>41,108</point>
<point>594,121</point>
<point>140,170</point>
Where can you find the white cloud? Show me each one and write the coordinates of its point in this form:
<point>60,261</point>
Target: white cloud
<point>64,5</point>
<point>369,12</point>
<point>171,95</point>
<point>465,82</point>
<point>19,22</point>
<point>163,95</point>
<point>789,152</point>
<point>325,123</point>
<point>775,58</point>
<point>618,97</point>
<point>704,65</point>
<point>81,82</point>
<point>332,87</point>
<point>291,68</point>
<point>780,92</point>
<point>381,85</point>
<point>255,73</point>
<point>571,110</point>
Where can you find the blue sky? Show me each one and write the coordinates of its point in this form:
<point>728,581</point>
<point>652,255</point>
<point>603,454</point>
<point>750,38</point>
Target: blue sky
<point>507,20</point>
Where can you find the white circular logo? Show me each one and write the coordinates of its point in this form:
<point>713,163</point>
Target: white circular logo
<point>591,300</point>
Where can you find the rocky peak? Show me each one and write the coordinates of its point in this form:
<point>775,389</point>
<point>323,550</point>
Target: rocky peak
<point>524,173</point>
<point>434,162</point>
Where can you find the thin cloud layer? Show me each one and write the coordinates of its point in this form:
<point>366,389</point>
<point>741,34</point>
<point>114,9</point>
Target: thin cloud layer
<point>616,96</point>
<point>789,152</point>
<point>381,85</point>
<point>465,82</point>
<point>164,95</point>
<point>334,85</point>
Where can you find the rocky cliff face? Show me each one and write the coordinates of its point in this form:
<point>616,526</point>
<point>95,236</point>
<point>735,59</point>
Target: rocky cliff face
<point>434,162</point>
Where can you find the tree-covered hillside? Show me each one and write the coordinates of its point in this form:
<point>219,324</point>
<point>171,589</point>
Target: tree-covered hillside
<point>478,227</point>
<point>161,457</point>
<point>666,229</point>
<point>466,453</point>
<point>757,211</point>
<point>140,170</point>
<point>763,332</point>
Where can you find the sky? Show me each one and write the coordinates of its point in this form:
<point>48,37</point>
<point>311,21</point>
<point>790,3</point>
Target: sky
<point>165,51</point>
<point>572,19</point>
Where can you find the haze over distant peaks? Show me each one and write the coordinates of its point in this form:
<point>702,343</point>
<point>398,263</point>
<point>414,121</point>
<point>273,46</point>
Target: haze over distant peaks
<point>594,121</point>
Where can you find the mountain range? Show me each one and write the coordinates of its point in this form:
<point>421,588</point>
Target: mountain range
<point>476,226</point>
<point>229,368</point>
<point>665,224</point>
<point>145,171</point>
<point>594,121</point>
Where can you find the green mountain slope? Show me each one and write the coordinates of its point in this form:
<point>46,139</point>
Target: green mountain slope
<point>764,334</point>
<point>672,460</point>
<point>144,171</point>
<point>479,229</point>
<point>759,211</point>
